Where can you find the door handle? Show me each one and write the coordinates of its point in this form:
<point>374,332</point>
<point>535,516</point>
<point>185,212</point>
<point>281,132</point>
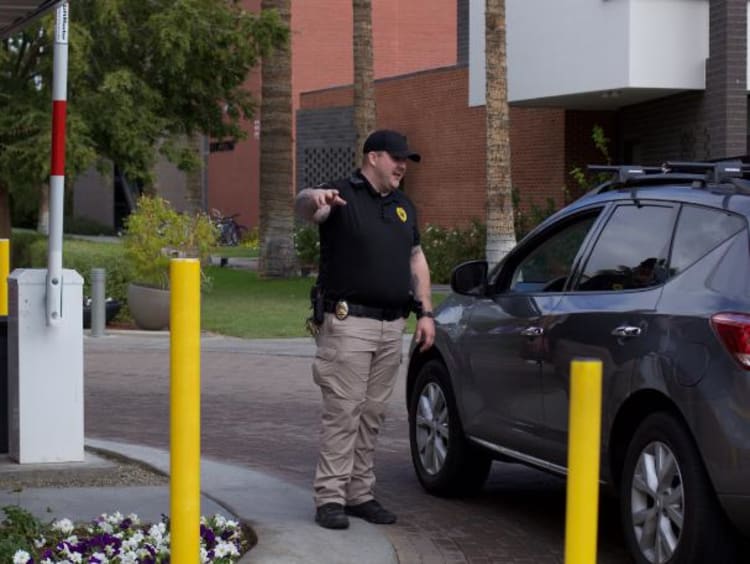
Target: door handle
<point>532,331</point>
<point>626,331</point>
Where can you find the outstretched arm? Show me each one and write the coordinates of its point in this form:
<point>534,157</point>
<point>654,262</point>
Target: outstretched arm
<point>420,276</point>
<point>314,204</point>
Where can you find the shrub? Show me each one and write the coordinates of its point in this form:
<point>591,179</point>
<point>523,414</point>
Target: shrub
<point>82,256</point>
<point>307,245</point>
<point>445,248</point>
<point>156,233</point>
<point>86,226</point>
<point>525,221</point>
<point>251,239</point>
<point>20,248</point>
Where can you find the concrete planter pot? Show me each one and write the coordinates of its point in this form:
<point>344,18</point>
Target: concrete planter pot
<point>149,306</point>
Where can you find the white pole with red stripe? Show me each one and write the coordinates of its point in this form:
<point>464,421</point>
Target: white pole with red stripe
<point>57,169</point>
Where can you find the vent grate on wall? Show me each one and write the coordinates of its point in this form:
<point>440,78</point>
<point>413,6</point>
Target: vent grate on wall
<point>323,164</point>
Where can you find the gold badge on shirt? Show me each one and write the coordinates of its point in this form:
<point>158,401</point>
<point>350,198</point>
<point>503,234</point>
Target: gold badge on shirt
<point>401,213</point>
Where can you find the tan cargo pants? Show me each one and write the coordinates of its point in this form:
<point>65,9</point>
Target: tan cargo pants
<point>355,365</point>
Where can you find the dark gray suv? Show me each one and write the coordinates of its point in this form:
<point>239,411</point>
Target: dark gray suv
<point>650,273</point>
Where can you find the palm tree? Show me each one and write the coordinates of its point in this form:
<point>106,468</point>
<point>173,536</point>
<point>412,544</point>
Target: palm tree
<point>364,92</point>
<point>500,230</point>
<point>277,257</point>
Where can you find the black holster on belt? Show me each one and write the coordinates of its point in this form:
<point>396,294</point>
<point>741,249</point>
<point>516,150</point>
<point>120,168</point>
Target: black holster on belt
<point>317,304</point>
<point>313,323</point>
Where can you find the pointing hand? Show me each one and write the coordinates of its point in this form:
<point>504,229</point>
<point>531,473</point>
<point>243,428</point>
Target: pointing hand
<point>324,198</point>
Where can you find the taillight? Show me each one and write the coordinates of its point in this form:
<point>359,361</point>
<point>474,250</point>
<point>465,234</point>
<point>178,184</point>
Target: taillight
<point>734,331</point>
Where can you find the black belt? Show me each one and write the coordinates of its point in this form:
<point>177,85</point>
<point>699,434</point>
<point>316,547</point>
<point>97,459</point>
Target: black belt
<point>342,309</point>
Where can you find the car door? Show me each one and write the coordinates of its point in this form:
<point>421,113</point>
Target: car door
<point>607,314</point>
<point>504,335</point>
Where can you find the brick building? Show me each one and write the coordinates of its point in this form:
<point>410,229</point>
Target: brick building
<point>407,37</point>
<point>665,79</point>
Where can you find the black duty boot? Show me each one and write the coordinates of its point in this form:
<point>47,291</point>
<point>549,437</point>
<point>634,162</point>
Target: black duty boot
<point>331,516</point>
<point>371,511</point>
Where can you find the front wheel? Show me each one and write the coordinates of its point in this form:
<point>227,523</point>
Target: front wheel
<point>445,462</point>
<point>669,511</point>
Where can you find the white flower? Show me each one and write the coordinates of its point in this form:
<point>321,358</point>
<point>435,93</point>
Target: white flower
<point>225,549</point>
<point>137,544</point>
<point>134,542</point>
<point>129,558</point>
<point>65,526</point>
<point>157,531</point>
<point>105,527</point>
<point>21,557</point>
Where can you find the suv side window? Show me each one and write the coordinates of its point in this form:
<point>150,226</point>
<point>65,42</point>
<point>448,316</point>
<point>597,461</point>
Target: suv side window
<point>547,266</point>
<point>631,251</point>
<point>699,230</point>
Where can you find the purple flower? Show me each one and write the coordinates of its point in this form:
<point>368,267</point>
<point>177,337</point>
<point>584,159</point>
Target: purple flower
<point>126,523</point>
<point>208,536</point>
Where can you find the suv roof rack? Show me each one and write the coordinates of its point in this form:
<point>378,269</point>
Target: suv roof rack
<point>702,174</point>
<point>623,173</point>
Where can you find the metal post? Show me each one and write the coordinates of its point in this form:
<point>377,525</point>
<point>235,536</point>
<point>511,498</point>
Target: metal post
<point>57,169</point>
<point>4,272</point>
<point>98,302</point>
<point>584,431</point>
<point>185,404</point>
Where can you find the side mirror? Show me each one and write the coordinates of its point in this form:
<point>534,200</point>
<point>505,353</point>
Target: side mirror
<point>470,278</point>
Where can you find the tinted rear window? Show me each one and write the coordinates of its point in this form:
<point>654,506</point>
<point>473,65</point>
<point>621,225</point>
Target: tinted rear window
<point>631,251</point>
<point>699,230</point>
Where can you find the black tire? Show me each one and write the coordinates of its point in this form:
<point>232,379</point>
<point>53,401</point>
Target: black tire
<point>691,526</point>
<point>463,468</point>
<point>234,235</point>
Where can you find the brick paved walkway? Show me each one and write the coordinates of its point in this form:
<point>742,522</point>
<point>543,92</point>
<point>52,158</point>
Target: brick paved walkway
<point>260,409</point>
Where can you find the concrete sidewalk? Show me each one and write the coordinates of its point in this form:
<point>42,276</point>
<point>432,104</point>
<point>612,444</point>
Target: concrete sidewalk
<point>279,513</point>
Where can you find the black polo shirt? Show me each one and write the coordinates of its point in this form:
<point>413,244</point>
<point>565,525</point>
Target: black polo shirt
<point>365,246</point>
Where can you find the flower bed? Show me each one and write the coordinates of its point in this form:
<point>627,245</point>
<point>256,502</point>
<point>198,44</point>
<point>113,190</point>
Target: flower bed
<point>112,539</point>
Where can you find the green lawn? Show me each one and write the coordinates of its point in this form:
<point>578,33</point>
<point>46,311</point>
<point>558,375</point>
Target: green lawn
<point>235,252</point>
<point>241,305</point>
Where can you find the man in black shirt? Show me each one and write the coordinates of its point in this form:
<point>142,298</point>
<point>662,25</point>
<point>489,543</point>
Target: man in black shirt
<point>372,268</point>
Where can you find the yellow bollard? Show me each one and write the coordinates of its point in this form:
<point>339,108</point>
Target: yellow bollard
<point>184,323</point>
<point>582,507</point>
<point>4,272</point>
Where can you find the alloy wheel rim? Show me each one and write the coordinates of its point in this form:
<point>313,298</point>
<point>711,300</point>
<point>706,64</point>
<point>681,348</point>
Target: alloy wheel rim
<point>432,436</point>
<point>657,503</point>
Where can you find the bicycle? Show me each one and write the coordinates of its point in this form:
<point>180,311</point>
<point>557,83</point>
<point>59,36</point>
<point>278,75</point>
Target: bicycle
<point>230,232</point>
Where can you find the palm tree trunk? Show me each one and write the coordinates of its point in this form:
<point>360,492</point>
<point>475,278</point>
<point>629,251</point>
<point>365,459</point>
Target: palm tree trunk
<point>365,112</point>
<point>500,230</point>
<point>277,257</point>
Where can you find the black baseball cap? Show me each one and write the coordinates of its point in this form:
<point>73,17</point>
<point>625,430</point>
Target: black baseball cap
<point>391,142</point>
